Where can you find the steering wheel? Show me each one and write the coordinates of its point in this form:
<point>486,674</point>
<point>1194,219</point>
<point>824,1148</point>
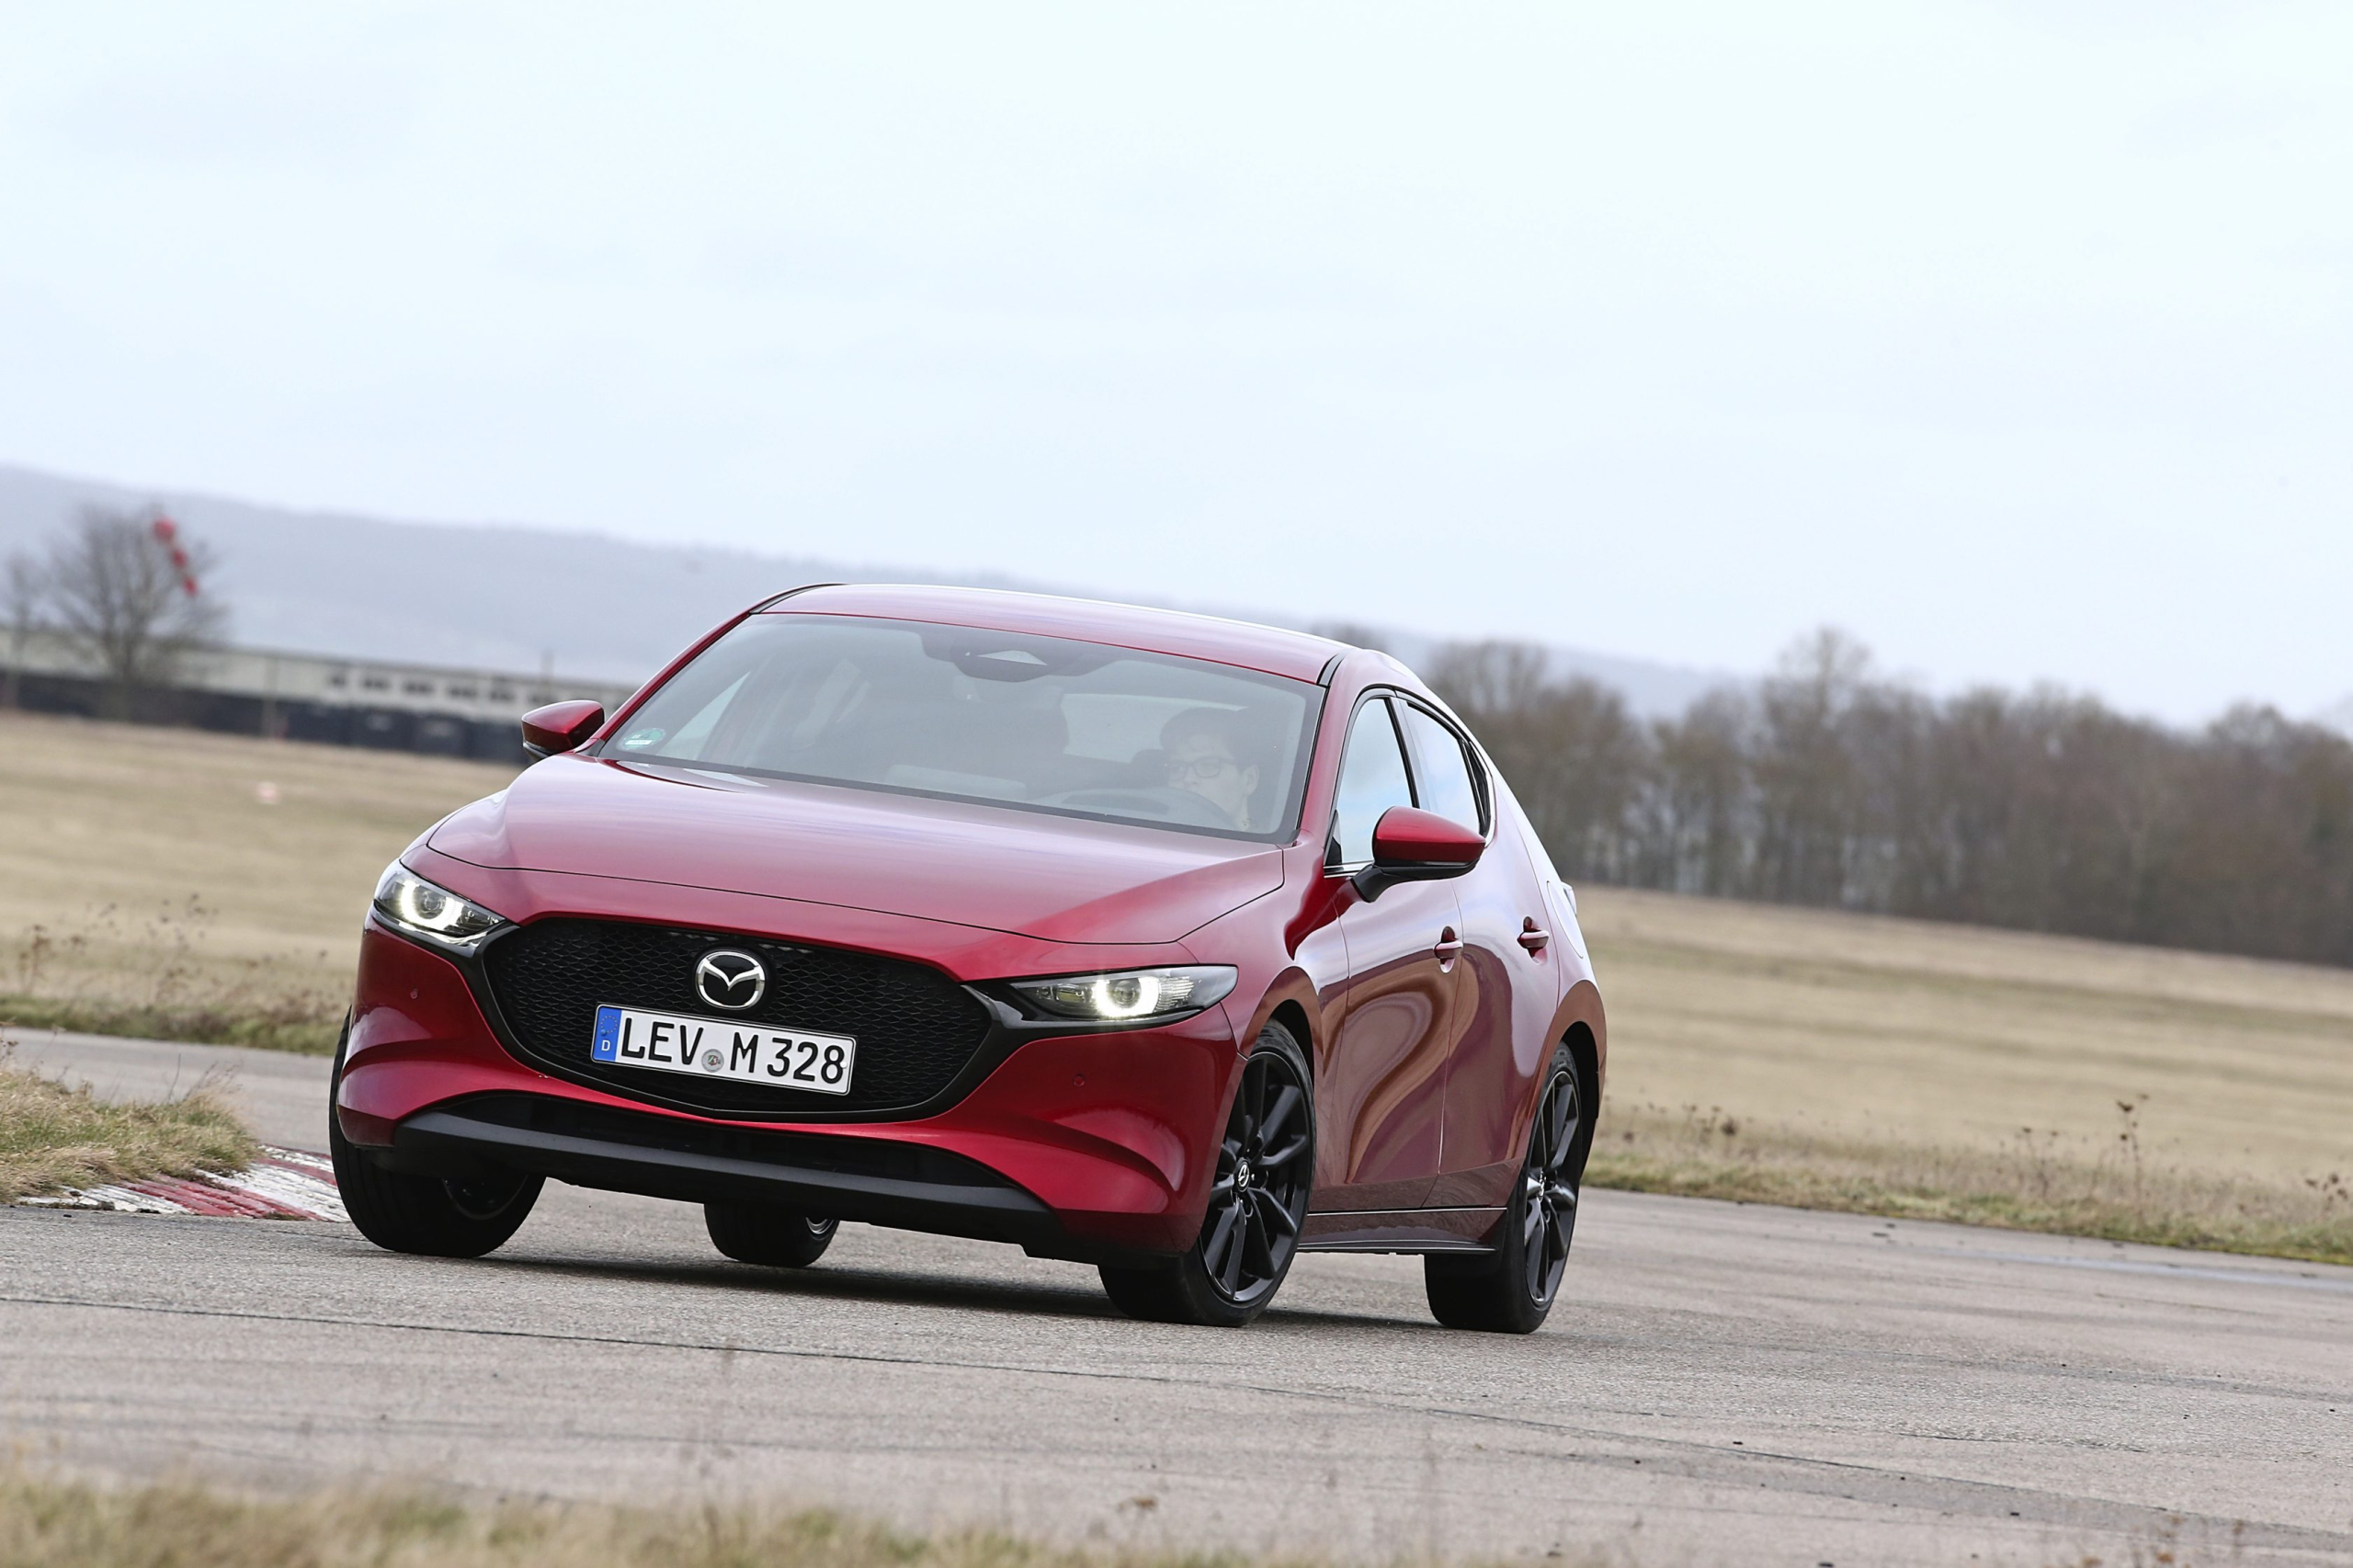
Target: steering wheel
<point>1145,802</point>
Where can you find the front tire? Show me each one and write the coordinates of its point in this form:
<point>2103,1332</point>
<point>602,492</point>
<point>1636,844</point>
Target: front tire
<point>423,1215</point>
<point>773,1238</point>
<point>1511,1290</point>
<point>1266,1170</point>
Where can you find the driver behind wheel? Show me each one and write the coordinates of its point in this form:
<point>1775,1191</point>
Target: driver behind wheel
<point>1210,753</point>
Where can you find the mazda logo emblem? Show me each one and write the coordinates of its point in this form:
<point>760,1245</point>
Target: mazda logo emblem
<point>732,979</point>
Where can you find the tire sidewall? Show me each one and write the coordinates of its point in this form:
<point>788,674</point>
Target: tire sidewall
<point>413,1214</point>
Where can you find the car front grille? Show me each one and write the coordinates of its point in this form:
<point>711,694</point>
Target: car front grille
<point>915,1028</point>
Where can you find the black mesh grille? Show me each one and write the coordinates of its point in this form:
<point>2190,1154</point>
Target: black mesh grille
<point>915,1028</point>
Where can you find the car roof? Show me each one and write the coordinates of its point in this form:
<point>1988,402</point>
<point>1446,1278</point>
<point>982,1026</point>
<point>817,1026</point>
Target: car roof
<point>1271,650</point>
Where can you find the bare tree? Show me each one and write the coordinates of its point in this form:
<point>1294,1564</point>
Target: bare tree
<point>1826,784</point>
<point>127,590</point>
<point>21,593</point>
<point>1572,752</point>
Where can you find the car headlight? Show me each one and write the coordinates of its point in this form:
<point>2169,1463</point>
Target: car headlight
<point>1129,994</point>
<point>408,900</point>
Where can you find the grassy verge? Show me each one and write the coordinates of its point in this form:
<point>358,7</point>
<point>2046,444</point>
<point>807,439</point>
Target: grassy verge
<point>50,1524</point>
<point>2039,1181</point>
<point>300,1023</point>
<point>53,1137</point>
<point>149,974</point>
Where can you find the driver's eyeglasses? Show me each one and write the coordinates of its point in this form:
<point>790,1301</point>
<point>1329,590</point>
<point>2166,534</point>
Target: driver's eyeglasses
<point>1203,768</point>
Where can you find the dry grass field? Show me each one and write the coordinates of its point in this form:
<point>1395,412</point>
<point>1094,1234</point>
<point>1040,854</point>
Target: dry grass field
<point>193,885</point>
<point>1916,1032</point>
<point>1899,1067</point>
<point>149,884</point>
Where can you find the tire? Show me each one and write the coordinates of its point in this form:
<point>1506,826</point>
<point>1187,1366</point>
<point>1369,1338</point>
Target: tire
<point>773,1238</point>
<point>420,1214</point>
<point>1266,1172</point>
<point>1511,1290</point>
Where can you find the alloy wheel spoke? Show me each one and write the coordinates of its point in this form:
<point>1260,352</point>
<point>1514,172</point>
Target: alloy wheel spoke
<point>1560,1107</point>
<point>1285,1155</point>
<point>1286,1101</point>
<point>1258,1250</point>
<point>1279,1217</point>
<point>1563,1195</point>
<point>1230,1276</point>
<point>1560,1161</point>
<point>1216,1250</point>
<point>1532,1222</point>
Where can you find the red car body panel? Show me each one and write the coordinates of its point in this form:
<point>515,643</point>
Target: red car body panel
<point>1427,1021</point>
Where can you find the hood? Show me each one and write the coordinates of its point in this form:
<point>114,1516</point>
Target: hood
<point>1058,878</point>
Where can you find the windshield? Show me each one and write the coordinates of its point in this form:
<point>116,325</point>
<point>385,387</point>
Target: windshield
<point>1041,723</point>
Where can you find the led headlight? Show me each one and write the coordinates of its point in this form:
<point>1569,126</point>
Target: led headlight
<point>1127,994</point>
<point>408,900</point>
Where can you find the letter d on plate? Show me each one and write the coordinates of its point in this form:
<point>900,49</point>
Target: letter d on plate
<point>606,1045</point>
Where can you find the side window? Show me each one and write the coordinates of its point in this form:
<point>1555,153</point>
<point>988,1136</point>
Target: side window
<point>1441,768</point>
<point>1372,779</point>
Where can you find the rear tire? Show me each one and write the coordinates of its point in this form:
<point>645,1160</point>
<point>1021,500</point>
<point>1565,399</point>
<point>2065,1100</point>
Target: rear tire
<point>1511,1290</point>
<point>1266,1170</point>
<point>773,1238</point>
<point>423,1215</point>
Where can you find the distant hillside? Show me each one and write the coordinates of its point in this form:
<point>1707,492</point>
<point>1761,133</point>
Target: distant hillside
<point>505,598</point>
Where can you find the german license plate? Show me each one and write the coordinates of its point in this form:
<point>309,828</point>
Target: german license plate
<point>715,1048</point>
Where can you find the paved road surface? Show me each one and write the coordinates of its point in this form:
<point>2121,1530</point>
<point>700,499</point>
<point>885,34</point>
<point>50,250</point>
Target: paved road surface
<point>1730,1383</point>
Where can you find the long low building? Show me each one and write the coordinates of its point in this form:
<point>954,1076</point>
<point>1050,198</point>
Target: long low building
<point>304,697</point>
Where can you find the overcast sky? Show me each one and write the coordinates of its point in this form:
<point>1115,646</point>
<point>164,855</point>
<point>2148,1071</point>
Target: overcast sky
<point>2016,338</point>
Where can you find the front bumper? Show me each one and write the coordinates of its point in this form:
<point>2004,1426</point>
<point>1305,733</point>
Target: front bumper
<point>1091,1147</point>
<point>910,1185</point>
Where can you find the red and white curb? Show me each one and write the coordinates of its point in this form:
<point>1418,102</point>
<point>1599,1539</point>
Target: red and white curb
<point>284,1184</point>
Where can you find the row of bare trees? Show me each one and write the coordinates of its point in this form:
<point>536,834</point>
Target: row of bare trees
<point>125,590</point>
<point>1826,785</point>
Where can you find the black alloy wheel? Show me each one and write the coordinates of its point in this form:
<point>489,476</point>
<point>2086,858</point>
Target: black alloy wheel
<point>1266,1170</point>
<point>773,1238</point>
<point>425,1214</point>
<point>1548,1192</point>
<point>1510,1289</point>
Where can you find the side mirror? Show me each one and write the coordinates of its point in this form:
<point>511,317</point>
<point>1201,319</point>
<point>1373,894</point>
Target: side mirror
<point>560,726</point>
<point>1411,846</point>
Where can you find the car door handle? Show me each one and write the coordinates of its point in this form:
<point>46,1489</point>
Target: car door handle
<point>1534,937</point>
<point>1448,949</point>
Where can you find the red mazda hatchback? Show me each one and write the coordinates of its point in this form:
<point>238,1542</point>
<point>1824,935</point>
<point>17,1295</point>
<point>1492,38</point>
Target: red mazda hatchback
<point>1173,944</point>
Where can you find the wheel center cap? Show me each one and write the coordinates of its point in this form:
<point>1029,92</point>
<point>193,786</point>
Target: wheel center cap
<point>1242,1173</point>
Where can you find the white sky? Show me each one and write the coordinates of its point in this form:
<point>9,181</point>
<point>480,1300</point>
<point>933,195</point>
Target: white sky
<point>2016,338</point>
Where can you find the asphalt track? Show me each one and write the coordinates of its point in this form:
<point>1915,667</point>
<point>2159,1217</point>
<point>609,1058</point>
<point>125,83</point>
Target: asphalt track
<point>1725,1383</point>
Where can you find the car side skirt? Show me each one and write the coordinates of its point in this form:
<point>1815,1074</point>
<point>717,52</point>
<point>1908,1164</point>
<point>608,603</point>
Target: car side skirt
<point>1402,1230</point>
